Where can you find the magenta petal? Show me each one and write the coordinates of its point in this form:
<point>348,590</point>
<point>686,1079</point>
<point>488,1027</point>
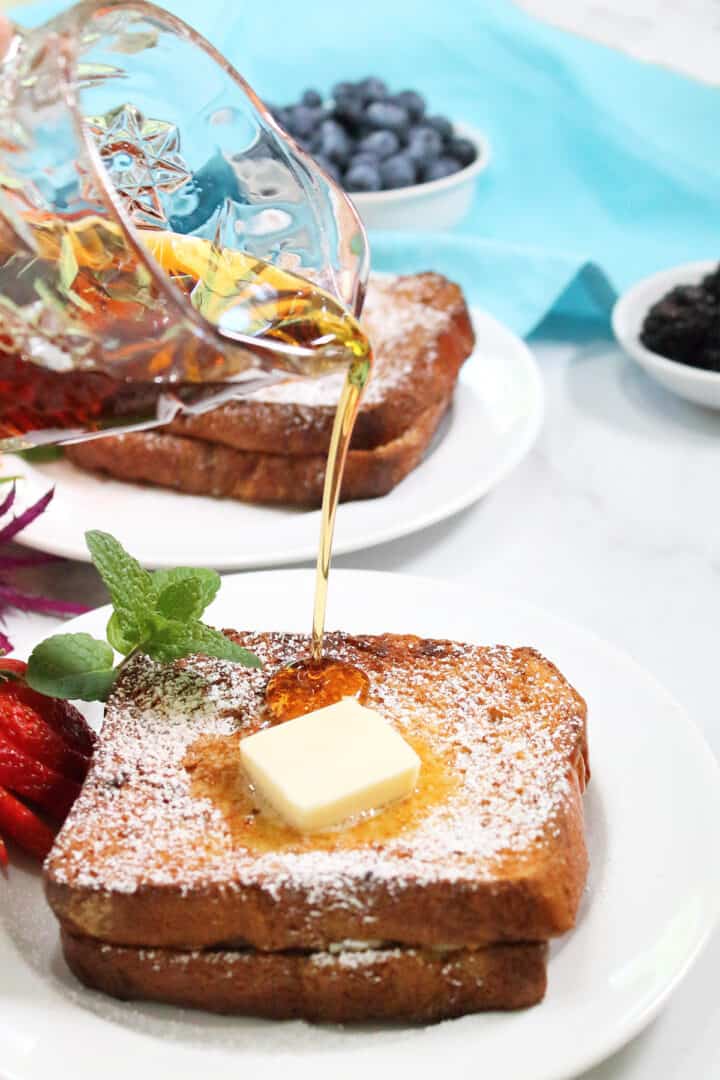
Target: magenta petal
<point>8,500</point>
<point>19,562</point>
<point>41,604</point>
<point>18,523</point>
<point>5,644</point>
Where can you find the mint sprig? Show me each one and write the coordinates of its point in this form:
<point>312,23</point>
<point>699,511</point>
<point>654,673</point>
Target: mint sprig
<point>153,613</point>
<point>72,666</point>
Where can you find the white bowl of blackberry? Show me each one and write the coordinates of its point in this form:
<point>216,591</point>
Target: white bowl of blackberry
<point>669,323</point>
<point>403,167</point>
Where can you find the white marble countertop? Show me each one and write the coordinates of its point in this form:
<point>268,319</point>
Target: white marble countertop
<point>683,35</point>
<point>612,521</point>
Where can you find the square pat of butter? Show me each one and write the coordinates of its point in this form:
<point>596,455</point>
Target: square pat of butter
<point>321,768</point>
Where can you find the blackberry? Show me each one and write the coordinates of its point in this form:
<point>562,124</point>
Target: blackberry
<point>685,325</point>
<point>711,283</point>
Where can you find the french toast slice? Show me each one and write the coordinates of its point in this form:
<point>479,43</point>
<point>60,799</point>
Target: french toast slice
<point>165,848</point>
<point>205,468</point>
<point>421,334</point>
<point>346,984</point>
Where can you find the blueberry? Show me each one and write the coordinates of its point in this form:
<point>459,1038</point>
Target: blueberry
<point>381,144</point>
<point>349,110</point>
<point>335,143</point>
<point>441,124</point>
<point>383,114</point>
<point>364,176</point>
<point>329,167</point>
<point>312,98</point>
<point>301,121</point>
<point>424,144</point>
<point>412,102</point>
<point>363,157</point>
<point>372,89</point>
<point>462,149</point>
<point>398,171</point>
<point>344,90</point>
<point>441,167</point>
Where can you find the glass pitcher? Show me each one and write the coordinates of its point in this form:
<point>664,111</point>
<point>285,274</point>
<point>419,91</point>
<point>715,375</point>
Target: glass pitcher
<point>163,243</point>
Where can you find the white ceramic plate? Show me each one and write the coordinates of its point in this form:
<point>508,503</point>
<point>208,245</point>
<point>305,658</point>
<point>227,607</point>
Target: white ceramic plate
<point>493,422</point>
<point>693,384</point>
<point>652,810</point>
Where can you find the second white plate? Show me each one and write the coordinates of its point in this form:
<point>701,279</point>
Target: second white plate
<point>652,809</point>
<point>494,420</point>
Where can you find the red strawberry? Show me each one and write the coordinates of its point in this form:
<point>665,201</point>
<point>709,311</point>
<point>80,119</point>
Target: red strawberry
<point>67,721</point>
<point>3,854</point>
<point>12,666</point>
<point>34,781</point>
<point>23,725</point>
<point>24,827</point>
<point>64,719</point>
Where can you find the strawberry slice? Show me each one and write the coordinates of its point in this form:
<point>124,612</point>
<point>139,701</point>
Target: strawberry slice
<point>23,725</point>
<point>24,827</point>
<point>13,667</point>
<point>32,780</point>
<point>65,720</point>
<point>3,854</point>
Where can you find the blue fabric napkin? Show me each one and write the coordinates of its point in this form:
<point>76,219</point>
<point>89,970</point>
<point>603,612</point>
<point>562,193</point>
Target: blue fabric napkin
<point>603,168</point>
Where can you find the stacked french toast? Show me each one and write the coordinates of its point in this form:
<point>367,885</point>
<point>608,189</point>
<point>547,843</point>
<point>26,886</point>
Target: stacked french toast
<point>271,447</point>
<point>172,883</point>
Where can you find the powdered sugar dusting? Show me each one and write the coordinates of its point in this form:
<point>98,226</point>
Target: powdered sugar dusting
<point>505,720</point>
<point>392,326</point>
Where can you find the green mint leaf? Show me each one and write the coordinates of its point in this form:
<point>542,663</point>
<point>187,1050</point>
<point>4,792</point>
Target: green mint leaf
<point>171,640</point>
<point>208,582</point>
<point>182,600</point>
<point>117,638</point>
<point>72,666</point>
<point>130,587</point>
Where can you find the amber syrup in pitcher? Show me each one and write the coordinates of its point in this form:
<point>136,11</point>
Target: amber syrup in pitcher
<point>235,291</point>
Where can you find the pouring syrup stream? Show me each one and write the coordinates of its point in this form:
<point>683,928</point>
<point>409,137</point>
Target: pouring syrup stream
<point>317,681</point>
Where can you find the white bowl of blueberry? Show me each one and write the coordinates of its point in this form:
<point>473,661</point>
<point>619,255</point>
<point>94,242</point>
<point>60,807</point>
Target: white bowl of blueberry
<point>403,168</point>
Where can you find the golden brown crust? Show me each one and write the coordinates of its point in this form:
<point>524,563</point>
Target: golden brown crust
<point>421,333</point>
<point>205,468</point>
<point>144,859</point>
<point>380,984</point>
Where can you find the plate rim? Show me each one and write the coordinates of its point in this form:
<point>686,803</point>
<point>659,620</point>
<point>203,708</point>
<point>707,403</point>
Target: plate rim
<point>396,527</point>
<point>581,1058</point>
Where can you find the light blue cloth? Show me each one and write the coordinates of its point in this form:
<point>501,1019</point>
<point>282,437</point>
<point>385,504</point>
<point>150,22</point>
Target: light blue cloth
<point>603,168</point>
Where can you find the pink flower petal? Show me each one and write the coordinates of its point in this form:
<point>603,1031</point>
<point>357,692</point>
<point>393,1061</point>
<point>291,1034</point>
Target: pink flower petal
<point>11,597</point>
<point>19,562</point>
<point>18,523</point>
<point>8,500</point>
